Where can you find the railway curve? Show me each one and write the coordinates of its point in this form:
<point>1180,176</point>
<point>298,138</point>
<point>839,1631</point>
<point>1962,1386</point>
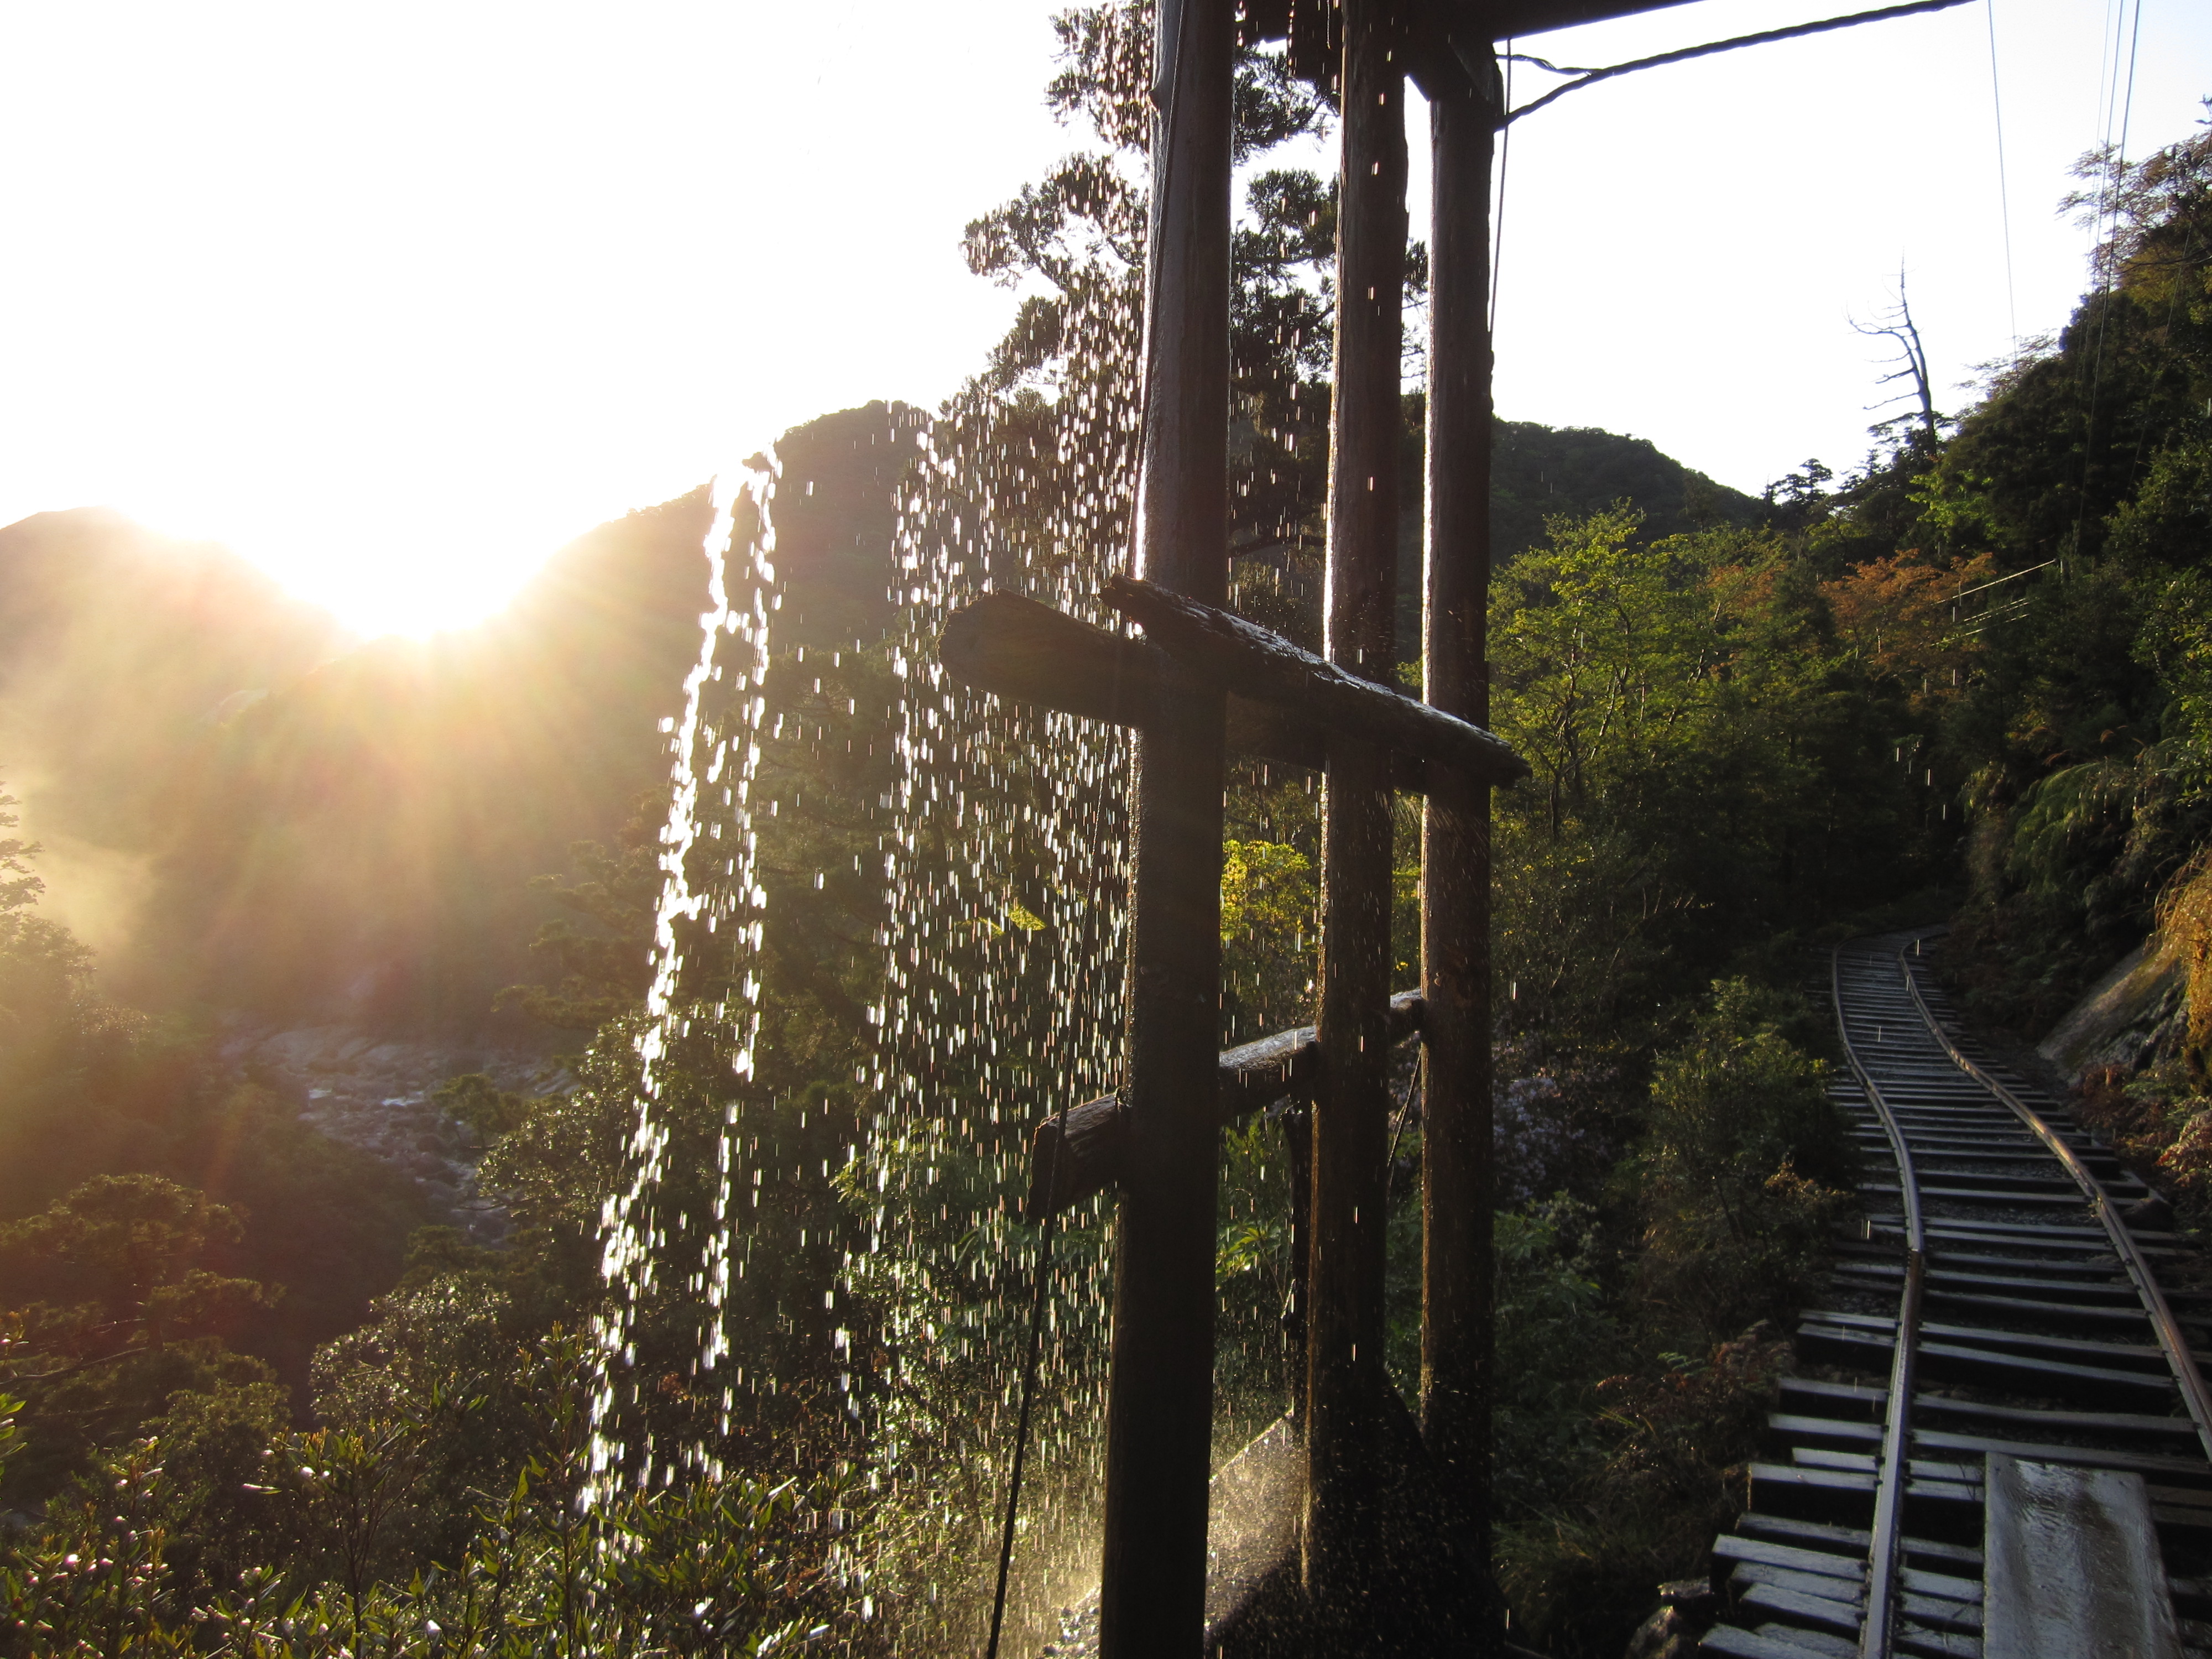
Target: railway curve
<point>1999,1443</point>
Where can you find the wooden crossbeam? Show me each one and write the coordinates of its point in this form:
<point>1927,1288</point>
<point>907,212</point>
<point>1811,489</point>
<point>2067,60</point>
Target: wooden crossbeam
<point>1289,702</point>
<point>1222,649</point>
<point>1253,1075</point>
<point>1029,653</point>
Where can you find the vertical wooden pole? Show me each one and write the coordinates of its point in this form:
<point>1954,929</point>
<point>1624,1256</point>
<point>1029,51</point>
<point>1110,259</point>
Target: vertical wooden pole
<point>1344,1375</point>
<point>1160,1391</point>
<point>1456,1275</point>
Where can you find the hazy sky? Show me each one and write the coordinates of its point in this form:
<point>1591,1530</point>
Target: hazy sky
<point>396,298</point>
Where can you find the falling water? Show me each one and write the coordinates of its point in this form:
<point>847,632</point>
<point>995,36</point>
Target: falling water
<point>708,887</point>
<point>1004,948</point>
<point>997,1000</point>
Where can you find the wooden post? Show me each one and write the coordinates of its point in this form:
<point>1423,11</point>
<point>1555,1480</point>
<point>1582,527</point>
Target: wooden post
<point>1159,1407</point>
<point>1345,1374</point>
<point>1456,1275</point>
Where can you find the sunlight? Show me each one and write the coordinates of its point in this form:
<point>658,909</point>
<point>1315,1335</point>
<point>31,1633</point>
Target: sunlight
<point>397,303</point>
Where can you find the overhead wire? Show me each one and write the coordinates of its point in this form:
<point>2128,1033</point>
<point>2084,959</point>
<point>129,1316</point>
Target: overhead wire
<point>2113,157</point>
<point>2004,192</point>
<point>1497,218</point>
<point>1765,37</point>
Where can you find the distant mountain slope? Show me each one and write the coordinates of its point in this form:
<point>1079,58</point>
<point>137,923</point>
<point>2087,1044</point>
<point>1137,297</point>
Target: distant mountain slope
<point>1539,472</point>
<point>323,830</point>
<point>360,843</point>
<point>319,829</point>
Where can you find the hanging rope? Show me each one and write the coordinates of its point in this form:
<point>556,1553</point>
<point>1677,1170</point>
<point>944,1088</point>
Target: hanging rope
<point>1029,1377</point>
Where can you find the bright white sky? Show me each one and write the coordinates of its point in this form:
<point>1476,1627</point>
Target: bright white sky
<point>395,299</point>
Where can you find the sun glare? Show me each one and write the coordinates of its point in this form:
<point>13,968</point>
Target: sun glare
<point>395,300</point>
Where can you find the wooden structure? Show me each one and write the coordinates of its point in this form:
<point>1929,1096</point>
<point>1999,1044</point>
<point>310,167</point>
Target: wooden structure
<point>1201,681</point>
<point>2017,1461</point>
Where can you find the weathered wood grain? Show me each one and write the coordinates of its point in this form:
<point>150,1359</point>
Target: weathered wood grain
<point>1225,650</point>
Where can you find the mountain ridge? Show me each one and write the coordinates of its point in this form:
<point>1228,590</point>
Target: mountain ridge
<point>312,827</point>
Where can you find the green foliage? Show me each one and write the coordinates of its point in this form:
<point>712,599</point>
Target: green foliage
<point>1631,1387</point>
<point>113,1123</point>
<point>729,1566</point>
<point>18,886</point>
<point>600,969</point>
<point>1731,1173</point>
<point>115,1314</point>
<point>1555,1337</point>
<point>1661,1476</point>
<point>1268,930</point>
<point>2080,734</point>
<point>1711,768</point>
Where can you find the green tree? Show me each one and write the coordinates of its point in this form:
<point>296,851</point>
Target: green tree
<point>113,1312</point>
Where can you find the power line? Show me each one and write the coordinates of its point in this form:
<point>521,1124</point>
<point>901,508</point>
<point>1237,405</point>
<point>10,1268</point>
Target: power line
<point>2005,194</point>
<point>2135,50</point>
<point>1497,219</point>
<point>2115,160</point>
<point>1762,39</point>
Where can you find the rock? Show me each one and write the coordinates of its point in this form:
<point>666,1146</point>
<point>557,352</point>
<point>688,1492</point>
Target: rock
<point>2124,1016</point>
<point>1688,1608</point>
<point>1667,1634</point>
<point>2154,1213</point>
<point>373,1091</point>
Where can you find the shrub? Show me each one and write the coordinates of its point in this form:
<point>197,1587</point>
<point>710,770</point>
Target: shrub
<point>1731,1174</point>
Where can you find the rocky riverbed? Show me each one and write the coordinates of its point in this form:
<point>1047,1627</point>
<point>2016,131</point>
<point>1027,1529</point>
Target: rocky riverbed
<point>375,1091</point>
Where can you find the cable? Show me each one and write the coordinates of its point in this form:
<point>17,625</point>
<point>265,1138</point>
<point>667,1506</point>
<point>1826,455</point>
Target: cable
<point>2135,49</point>
<point>1708,50</point>
<point>2005,194</point>
<point>1497,219</point>
<point>2107,215</point>
<point>1029,1378</point>
<point>1404,1115</point>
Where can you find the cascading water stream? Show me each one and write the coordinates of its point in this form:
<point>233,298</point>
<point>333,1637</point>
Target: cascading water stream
<point>636,1227</point>
<point>1005,948</point>
<point>997,999</point>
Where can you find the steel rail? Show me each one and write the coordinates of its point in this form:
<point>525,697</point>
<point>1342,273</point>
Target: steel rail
<point>2183,1363</point>
<point>1884,1588</point>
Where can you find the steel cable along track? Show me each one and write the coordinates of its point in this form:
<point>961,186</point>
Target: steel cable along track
<point>1991,1320</point>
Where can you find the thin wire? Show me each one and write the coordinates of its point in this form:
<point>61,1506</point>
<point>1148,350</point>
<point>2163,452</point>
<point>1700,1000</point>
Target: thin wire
<point>2005,194</point>
<point>1405,1113</point>
<point>2107,215</point>
<point>1707,50</point>
<point>1546,63</point>
<point>2135,50</point>
<point>1152,256</point>
<point>2107,50</point>
<point>1029,1378</point>
<point>1497,219</point>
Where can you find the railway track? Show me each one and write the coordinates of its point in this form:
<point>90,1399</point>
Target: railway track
<point>1998,1443</point>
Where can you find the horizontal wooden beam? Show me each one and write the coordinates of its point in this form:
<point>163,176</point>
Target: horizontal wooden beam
<point>1029,653</point>
<point>1225,650</point>
<point>1084,1151</point>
